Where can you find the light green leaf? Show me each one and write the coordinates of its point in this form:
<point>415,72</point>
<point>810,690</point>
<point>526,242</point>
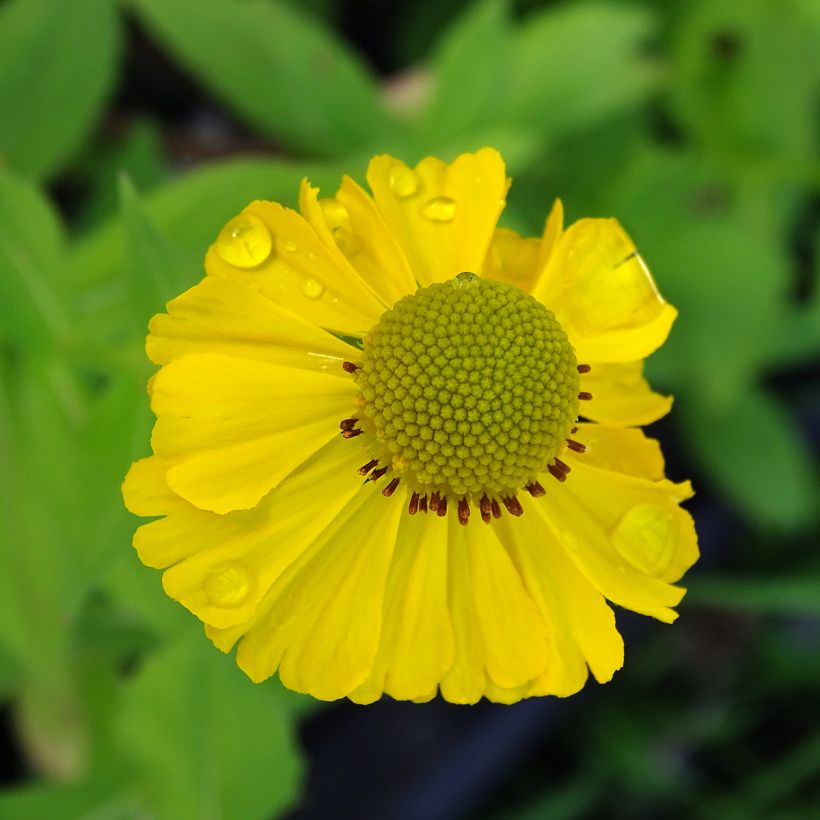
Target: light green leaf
<point>277,68</point>
<point>472,73</point>
<point>206,741</point>
<point>155,268</point>
<point>752,450</point>
<point>32,308</point>
<point>576,64</point>
<point>57,62</point>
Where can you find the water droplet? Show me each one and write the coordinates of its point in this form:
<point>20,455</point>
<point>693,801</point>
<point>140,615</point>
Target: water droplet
<point>290,246</point>
<point>346,241</point>
<point>440,209</point>
<point>646,537</point>
<point>335,213</point>
<point>244,242</point>
<point>312,288</point>
<point>403,181</point>
<point>228,584</point>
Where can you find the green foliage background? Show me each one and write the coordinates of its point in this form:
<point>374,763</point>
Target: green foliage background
<point>696,123</point>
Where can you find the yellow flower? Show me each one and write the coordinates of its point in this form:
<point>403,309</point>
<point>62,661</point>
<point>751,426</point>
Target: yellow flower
<point>368,456</point>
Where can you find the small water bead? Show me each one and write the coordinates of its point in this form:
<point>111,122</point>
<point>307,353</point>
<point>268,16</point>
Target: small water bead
<point>346,241</point>
<point>403,181</point>
<point>228,584</point>
<point>440,209</point>
<point>312,288</point>
<point>290,246</point>
<point>335,213</point>
<point>244,242</point>
<point>646,538</point>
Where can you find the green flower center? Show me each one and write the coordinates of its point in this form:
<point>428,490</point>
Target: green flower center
<point>469,389</point>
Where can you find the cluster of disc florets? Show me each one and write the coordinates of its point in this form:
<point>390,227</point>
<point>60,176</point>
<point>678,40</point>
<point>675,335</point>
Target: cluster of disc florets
<point>469,389</point>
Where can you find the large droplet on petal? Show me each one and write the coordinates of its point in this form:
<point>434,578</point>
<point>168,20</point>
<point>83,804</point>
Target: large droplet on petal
<point>646,538</point>
<point>440,209</point>
<point>312,288</point>
<point>228,584</point>
<point>403,181</point>
<point>244,242</point>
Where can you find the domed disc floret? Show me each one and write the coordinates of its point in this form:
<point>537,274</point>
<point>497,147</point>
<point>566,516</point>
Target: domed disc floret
<point>469,389</point>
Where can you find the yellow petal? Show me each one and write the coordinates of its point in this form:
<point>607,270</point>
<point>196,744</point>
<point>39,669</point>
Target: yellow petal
<point>580,625</point>
<point>603,294</point>
<point>499,634</point>
<point>236,428</point>
<point>225,317</point>
<point>323,617</point>
<point>518,261</point>
<point>416,646</point>
<point>240,555</point>
<point>443,216</point>
<point>351,222</point>
<point>294,268</point>
<point>622,396</point>
<point>145,490</point>
<point>628,536</point>
<point>620,450</point>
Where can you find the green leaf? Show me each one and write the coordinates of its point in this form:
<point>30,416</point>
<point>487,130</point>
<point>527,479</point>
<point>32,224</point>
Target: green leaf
<point>206,741</point>
<point>155,268</point>
<point>32,305</point>
<point>472,75</point>
<point>57,62</point>
<point>752,450</point>
<point>276,68</point>
<point>576,64</point>
<point>786,595</point>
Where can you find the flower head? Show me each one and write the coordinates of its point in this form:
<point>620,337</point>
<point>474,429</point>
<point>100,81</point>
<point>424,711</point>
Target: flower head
<point>396,446</point>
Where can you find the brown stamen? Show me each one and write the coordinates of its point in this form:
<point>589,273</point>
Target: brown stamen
<point>413,506</point>
<point>496,508</point>
<point>435,500</point>
<point>349,367</point>
<point>513,505</point>
<point>377,474</point>
<point>347,424</point>
<point>391,488</point>
<point>584,396</point>
<point>351,433</point>
<point>559,470</point>
<point>485,507</point>
<point>366,468</point>
<point>576,445</point>
<point>423,504</point>
<point>463,511</point>
<point>584,368</point>
<point>535,490</point>
<point>574,430</point>
<point>442,507</point>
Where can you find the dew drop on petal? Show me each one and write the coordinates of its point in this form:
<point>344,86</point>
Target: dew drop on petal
<point>228,584</point>
<point>244,242</point>
<point>312,288</point>
<point>290,246</point>
<point>334,212</point>
<point>403,181</point>
<point>645,537</point>
<point>440,209</point>
<point>346,241</point>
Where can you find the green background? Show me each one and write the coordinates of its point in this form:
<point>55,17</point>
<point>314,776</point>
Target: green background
<point>133,130</point>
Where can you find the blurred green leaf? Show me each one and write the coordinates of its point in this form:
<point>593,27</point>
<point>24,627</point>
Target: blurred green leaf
<point>576,64</point>
<point>753,452</point>
<point>207,741</point>
<point>153,264</point>
<point>277,68</point>
<point>472,74</point>
<point>746,84</point>
<point>57,63</point>
<point>772,595</point>
<point>32,308</point>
